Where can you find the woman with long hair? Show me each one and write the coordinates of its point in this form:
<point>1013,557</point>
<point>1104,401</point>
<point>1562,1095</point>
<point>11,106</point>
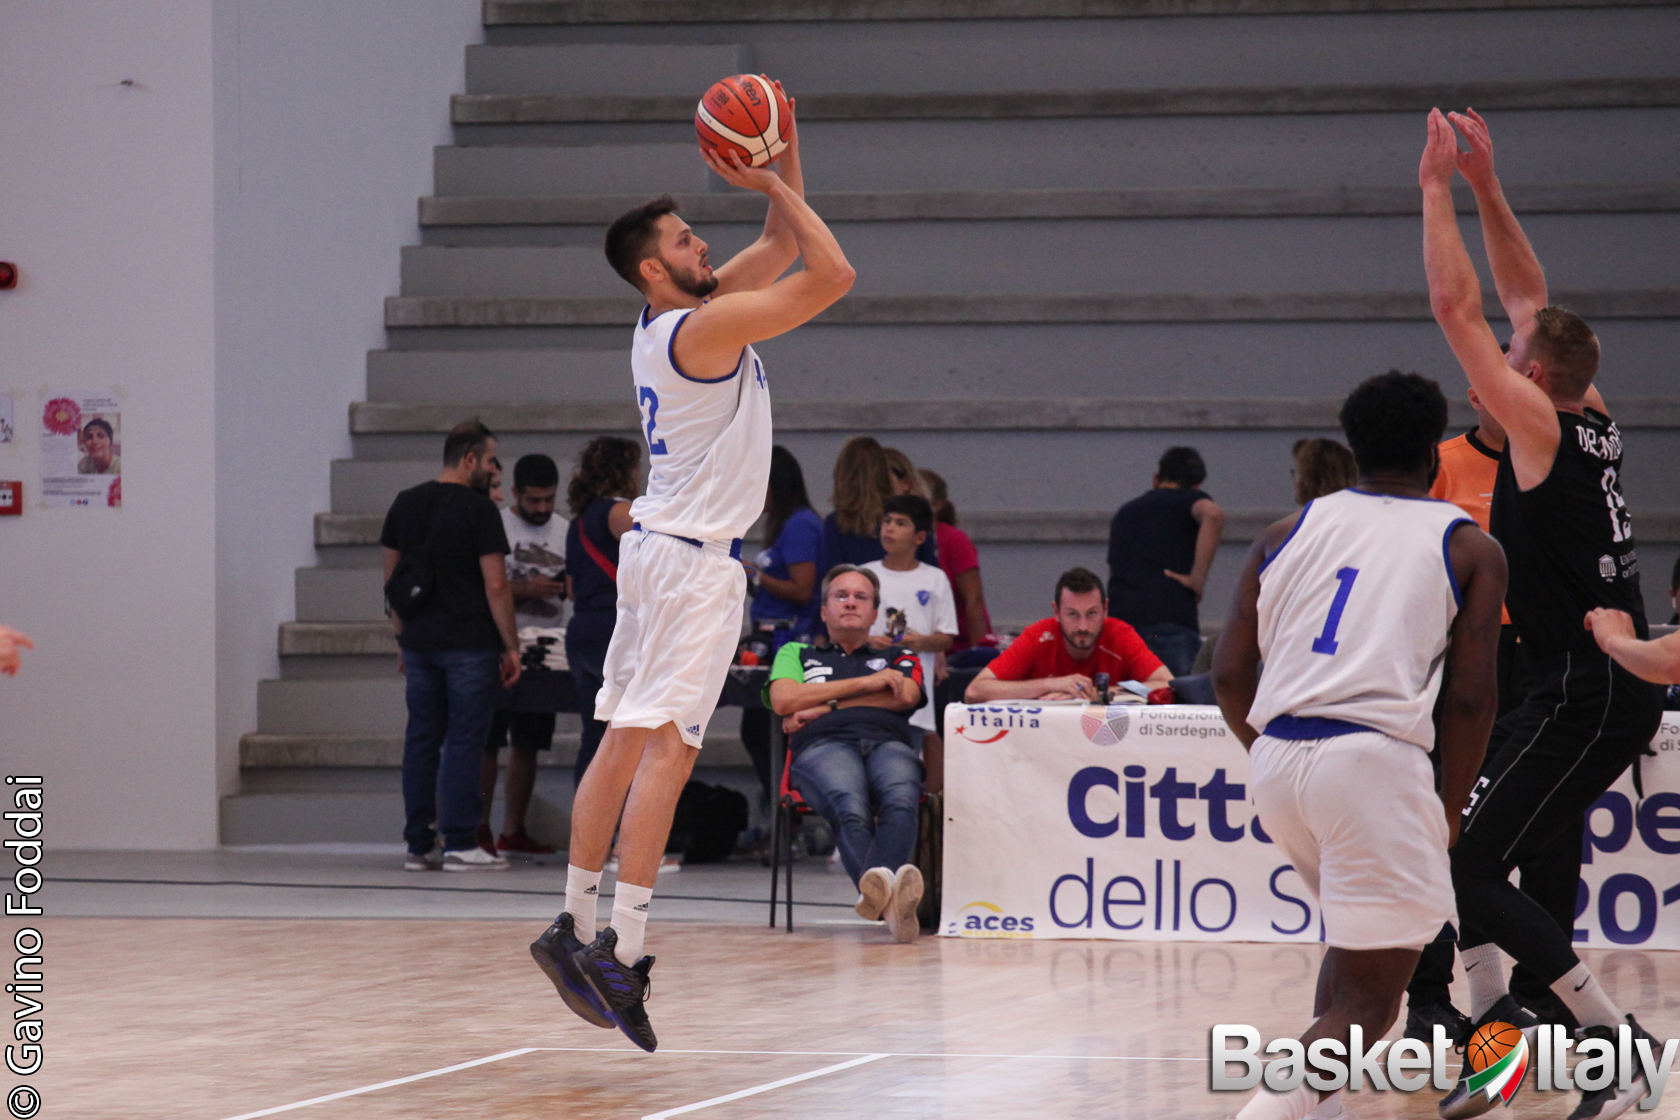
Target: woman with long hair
<point>906,479</point>
<point>1322,466</point>
<point>863,479</point>
<point>607,477</point>
<point>961,563</point>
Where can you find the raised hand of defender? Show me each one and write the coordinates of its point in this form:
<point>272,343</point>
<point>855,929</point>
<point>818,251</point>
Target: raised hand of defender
<point>1440,153</point>
<point>1608,625</point>
<point>10,642</point>
<point>1476,165</point>
<point>738,174</point>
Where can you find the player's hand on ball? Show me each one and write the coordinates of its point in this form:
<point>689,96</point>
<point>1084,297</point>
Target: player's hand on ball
<point>737,174</point>
<point>1440,153</point>
<point>1476,165</point>
<point>792,134</point>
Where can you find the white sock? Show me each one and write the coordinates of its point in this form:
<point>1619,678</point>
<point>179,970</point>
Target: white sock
<point>629,920</point>
<point>1580,991</point>
<point>1484,969</point>
<point>582,890</point>
<point>1268,1105</point>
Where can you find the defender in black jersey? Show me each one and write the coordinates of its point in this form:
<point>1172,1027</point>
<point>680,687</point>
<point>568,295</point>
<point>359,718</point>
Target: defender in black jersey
<point>1558,512</point>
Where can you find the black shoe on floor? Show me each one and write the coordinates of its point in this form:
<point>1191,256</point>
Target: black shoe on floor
<point>1548,1008</point>
<point>553,952</point>
<point>623,989</point>
<point>1423,1018</point>
<point>1610,1102</point>
<point>1461,1104</point>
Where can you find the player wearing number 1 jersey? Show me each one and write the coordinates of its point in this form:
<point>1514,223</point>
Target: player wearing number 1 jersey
<point>1359,606</point>
<point>705,407</point>
<point>1558,510</point>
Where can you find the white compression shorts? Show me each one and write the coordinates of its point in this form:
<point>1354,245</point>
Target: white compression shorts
<point>1358,816</point>
<point>678,625</point>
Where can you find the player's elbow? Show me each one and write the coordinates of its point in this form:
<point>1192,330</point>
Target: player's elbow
<point>842,278</point>
<point>1455,308</point>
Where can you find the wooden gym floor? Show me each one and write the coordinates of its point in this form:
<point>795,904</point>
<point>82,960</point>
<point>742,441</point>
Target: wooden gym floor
<point>195,1019</point>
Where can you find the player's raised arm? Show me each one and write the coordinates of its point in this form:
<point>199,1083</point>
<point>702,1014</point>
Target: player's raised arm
<point>761,263</point>
<point>1455,296</point>
<point>712,337</point>
<point>1470,692</point>
<point>1516,270</point>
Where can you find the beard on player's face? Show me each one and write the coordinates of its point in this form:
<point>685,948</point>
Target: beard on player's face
<point>690,282</point>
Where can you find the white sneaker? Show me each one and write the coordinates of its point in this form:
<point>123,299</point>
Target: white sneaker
<point>426,861</point>
<point>901,907</point>
<point>473,859</point>
<point>874,890</point>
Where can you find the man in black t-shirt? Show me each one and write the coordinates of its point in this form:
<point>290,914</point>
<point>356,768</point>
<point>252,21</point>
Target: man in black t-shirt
<point>846,709</point>
<point>458,647</point>
<point>1161,545</point>
<point>1558,511</point>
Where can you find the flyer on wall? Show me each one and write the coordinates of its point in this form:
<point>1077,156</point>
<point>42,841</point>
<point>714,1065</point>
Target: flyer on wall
<point>6,428</point>
<point>81,450</point>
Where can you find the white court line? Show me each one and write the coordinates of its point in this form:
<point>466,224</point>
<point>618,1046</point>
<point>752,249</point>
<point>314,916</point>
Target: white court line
<point>757,1089</point>
<point>860,1058</point>
<point>384,1084</point>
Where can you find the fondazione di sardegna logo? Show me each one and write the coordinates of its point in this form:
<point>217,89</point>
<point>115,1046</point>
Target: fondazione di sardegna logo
<point>1496,1060</point>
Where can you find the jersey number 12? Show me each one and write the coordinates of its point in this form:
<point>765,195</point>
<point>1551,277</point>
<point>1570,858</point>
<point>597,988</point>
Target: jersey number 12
<point>1326,642</point>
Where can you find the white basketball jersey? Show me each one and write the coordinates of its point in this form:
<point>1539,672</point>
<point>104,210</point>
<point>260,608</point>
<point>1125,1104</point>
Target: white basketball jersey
<point>1355,610</point>
<point>708,441</point>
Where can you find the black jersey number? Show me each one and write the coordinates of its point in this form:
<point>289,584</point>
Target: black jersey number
<point>1621,525</point>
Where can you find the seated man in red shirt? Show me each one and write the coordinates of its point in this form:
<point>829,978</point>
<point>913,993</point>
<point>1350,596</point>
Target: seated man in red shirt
<point>1056,659</point>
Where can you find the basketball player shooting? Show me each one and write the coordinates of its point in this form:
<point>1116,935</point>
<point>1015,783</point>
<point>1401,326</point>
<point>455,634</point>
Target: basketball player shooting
<point>1353,604</point>
<point>705,408</point>
<point>1558,510</point>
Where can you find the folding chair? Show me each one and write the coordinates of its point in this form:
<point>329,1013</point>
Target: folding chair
<point>789,806</point>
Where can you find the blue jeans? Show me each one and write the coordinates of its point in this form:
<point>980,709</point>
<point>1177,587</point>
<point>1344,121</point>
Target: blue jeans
<point>870,796</point>
<point>1176,646</point>
<point>451,698</point>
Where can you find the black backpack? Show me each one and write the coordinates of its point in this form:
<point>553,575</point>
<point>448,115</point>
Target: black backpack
<point>708,822</point>
<point>413,581</point>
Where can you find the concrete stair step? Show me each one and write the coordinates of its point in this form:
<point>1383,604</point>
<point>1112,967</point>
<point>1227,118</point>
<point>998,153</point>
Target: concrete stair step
<point>1069,56</point>
<point>573,13</point>
<point>1317,151</point>
<point>607,311</point>
<point>328,751</point>
<point>447,212</point>
<point>602,68</point>
<point>1018,104</point>
<point>339,595</point>
<point>345,637</point>
<point>888,362</point>
<point>338,707</point>
<point>1138,257</point>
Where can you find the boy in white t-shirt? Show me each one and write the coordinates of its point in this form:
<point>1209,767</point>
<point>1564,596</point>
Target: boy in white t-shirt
<point>918,610</point>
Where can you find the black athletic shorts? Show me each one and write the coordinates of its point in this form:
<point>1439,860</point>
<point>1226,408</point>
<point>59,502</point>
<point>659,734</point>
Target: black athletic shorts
<point>1583,721</point>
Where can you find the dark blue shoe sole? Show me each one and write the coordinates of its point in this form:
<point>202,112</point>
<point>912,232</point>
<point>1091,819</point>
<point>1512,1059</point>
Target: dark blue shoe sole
<point>574,989</point>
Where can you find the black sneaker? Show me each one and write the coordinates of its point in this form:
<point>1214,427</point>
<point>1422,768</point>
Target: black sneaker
<point>1548,1008</point>
<point>622,989</point>
<point>1610,1102</point>
<point>1423,1018</point>
<point>553,953</point>
<point>1461,1104</point>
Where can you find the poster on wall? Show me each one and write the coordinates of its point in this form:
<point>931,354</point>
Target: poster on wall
<point>81,451</point>
<point>6,428</point>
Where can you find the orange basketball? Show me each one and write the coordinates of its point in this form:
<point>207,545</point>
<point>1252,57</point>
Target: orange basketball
<point>745,114</point>
<point>1491,1042</point>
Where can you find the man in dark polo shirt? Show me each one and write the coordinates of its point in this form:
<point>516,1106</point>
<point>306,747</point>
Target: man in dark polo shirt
<point>846,710</point>
<point>458,646</point>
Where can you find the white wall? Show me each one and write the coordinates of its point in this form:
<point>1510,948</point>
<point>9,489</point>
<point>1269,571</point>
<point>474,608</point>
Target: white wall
<point>326,115</point>
<point>217,240</point>
<point>106,193</point>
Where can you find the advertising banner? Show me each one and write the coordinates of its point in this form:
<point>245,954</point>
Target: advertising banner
<point>1135,823</point>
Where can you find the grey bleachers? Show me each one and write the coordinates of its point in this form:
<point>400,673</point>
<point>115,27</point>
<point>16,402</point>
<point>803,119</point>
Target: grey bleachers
<point>1084,230</point>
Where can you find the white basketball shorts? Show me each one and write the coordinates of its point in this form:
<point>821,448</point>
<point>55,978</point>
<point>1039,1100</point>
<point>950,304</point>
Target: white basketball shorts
<point>679,623</point>
<point>1359,818</point>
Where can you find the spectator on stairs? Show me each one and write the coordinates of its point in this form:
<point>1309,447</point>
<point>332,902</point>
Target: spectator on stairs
<point>863,479</point>
<point>1321,467</point>
<point>1161,546</point>
<point>524,717</point>
<point>445,554</point>
<point>608,476</point>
